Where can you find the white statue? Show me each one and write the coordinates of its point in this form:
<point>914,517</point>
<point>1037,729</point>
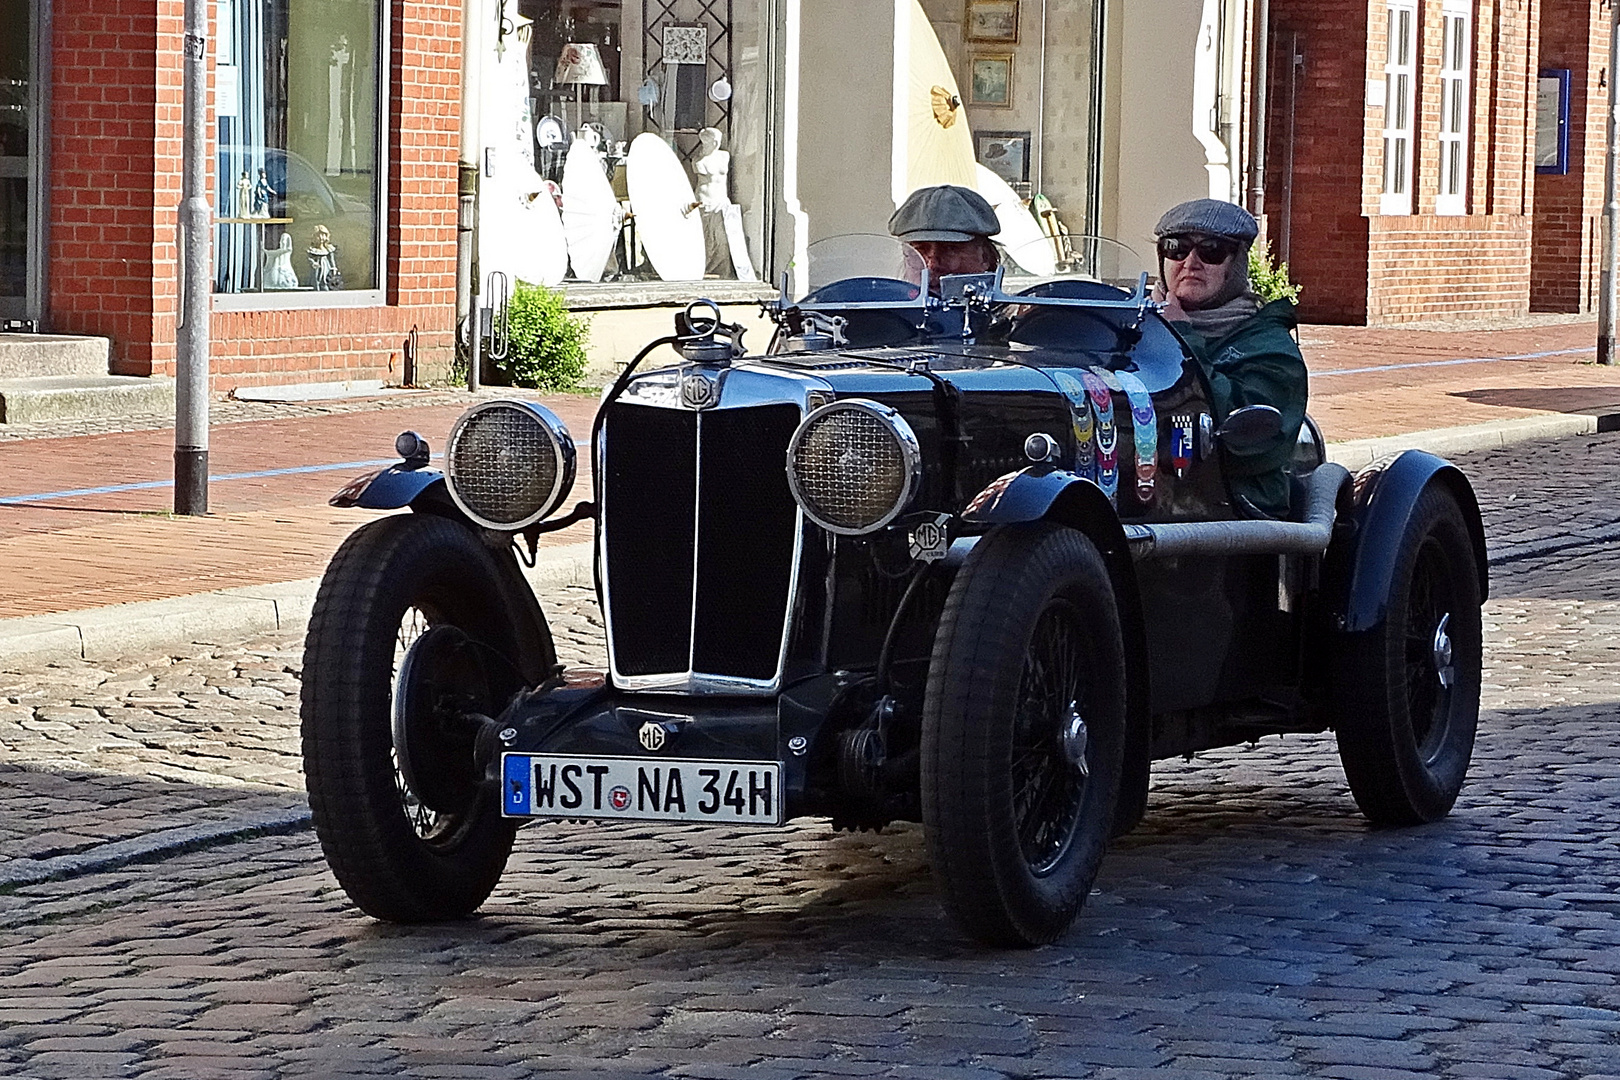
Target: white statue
<point>244,196</point>
<point>277,267</point>
<point>712,168</point>
<point>724,242</point>
<point>322,255</point>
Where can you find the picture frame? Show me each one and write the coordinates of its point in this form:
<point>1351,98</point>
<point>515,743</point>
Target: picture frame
<point>1005,153</point>
<point>994,21</point>
<point>990,80</point>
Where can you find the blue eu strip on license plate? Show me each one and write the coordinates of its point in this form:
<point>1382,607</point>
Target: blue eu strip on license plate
<point>641,789</point>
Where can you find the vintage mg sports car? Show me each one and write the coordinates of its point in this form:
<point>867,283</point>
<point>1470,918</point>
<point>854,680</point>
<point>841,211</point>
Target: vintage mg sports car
<point>944,553</point>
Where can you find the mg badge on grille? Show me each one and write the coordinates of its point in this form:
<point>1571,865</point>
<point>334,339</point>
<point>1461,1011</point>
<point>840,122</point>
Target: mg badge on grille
<point>700,390</point>
<point>652,736</point>
<point>931,540</point>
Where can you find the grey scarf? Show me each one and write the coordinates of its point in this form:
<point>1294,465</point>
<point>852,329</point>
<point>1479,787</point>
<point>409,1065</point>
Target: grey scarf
<point>1216,322</point>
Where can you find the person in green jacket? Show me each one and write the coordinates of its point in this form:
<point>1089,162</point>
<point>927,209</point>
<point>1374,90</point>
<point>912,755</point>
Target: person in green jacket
<point>1246,349</point>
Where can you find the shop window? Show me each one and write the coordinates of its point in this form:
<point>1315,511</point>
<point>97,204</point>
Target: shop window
<point>1457,21</point>
<point>298,187</point>
<point>1400,66</point>
<point>1030,74</point>
<point>646,128</point>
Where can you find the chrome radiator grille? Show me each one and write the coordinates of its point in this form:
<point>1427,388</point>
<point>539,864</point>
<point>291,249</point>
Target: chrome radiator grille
<point>699,534</point>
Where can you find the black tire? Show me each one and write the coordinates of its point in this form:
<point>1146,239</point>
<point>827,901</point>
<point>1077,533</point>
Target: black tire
<point>1404,737</point>
<point>1030,627</point>
<point>398,858</point>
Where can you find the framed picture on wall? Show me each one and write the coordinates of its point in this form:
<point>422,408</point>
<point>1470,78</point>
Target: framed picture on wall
<point>1005,153</point>
<point>993,20</point>
<point>990,80</point>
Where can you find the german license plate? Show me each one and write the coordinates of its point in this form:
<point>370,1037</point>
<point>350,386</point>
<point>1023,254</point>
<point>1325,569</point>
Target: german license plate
<point>641,789</point>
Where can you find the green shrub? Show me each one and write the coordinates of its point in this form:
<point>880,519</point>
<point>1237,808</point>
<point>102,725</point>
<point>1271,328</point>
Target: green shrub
<point>548,340</point>
<point>1269,278</point>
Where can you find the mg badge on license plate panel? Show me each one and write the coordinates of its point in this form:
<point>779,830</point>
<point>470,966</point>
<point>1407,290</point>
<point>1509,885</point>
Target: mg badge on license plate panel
<point>641,789</point>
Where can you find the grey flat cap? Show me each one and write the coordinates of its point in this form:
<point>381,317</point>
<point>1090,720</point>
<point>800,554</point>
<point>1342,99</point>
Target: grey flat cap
<point>1210,216</point>
<point>946,212</point>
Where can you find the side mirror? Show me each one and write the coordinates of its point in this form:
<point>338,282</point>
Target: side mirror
<point>1250,426</point>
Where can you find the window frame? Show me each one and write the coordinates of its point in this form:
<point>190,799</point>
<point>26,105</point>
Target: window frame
<point>1456,99</point>
<point>382,144</point>
<point>1399,164</point>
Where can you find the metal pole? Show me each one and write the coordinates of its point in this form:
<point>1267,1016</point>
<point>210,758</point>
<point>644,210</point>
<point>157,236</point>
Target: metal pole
<point>1295,64</point>
<point>472,52</point>
<point>1611,202</point>
<point>1259,102</point>
<point>196,280</point>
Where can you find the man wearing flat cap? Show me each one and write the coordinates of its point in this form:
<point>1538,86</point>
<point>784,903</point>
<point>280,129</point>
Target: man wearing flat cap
<point>950,227</point>
<point>1246,349</point>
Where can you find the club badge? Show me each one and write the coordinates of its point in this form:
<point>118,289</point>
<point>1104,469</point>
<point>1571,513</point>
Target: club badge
<point>1181,443</point>
<point>1107,433</point>
<point>1145,426</point>
<point>1085,427</point>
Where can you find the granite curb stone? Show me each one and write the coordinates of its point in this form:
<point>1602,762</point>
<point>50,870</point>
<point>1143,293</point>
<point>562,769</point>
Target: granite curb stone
<point>222,616</point>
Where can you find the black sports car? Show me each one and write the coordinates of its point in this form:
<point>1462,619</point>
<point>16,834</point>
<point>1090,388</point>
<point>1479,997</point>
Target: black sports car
<point>943,554</point>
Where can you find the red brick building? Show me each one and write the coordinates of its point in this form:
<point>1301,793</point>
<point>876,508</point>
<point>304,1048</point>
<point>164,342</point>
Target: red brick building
<point>1413,162</point>
<point>344,113</point>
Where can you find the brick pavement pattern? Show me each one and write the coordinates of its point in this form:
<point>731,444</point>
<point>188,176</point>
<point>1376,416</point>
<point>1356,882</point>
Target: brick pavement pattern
<point>1252,926</point>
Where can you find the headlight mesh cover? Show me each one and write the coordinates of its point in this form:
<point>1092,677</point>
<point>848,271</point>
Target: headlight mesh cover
<point>503,465</point>
<point>853,466</point>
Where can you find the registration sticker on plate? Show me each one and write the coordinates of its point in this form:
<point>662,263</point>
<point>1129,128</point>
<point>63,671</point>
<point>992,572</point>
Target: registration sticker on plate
<point>641,789</point>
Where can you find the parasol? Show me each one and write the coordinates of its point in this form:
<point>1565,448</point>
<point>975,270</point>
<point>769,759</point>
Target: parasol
<point>939,145</point>
<point>590,211</point>
<point>1021,235</point>
<point>667,221</point>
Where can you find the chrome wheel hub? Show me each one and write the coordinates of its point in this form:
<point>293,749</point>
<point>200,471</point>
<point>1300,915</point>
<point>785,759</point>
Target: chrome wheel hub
<point>1443,667</point>
<point>1075,738</point>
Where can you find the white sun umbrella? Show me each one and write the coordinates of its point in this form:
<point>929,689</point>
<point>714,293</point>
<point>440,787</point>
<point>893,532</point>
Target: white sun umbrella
<point>590,214</point>
<point>1021,235</point>
<point>667,220</point>
<point>939,145</point>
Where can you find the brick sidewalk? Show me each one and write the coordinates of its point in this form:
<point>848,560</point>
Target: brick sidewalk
<point>68,553</point>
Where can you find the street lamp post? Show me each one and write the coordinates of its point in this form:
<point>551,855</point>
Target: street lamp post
<point>1611,202</point>
<point>196,235</point>
<point>467,328</point>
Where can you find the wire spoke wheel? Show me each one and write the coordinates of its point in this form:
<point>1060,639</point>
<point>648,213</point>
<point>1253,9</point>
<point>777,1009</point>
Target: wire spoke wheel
<point>410,639</point>
<point>1405,694</point>
<point>1023,733</point>
<point>1048,784</point>
<point>426,822</point>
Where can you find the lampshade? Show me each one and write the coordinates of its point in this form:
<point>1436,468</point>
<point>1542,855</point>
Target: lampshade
<point>580,65</point>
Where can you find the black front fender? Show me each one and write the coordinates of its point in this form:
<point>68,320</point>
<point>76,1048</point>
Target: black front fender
<point>1386,495</point>
<point>392,488</point>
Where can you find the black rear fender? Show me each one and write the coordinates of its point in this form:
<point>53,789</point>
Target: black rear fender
<point>1361,562</point>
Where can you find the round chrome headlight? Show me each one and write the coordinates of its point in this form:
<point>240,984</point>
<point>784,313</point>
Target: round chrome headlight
<point>854,466</point>
<point>509,463</point>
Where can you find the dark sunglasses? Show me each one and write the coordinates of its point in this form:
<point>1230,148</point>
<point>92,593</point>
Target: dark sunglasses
<point>1213,251</point>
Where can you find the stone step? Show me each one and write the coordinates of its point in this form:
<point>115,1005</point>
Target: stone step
<point>78,397</point>
<point>37,356</point>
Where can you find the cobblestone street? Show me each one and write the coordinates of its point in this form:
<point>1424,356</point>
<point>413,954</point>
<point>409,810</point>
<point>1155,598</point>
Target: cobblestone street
<point>1252,926</point>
